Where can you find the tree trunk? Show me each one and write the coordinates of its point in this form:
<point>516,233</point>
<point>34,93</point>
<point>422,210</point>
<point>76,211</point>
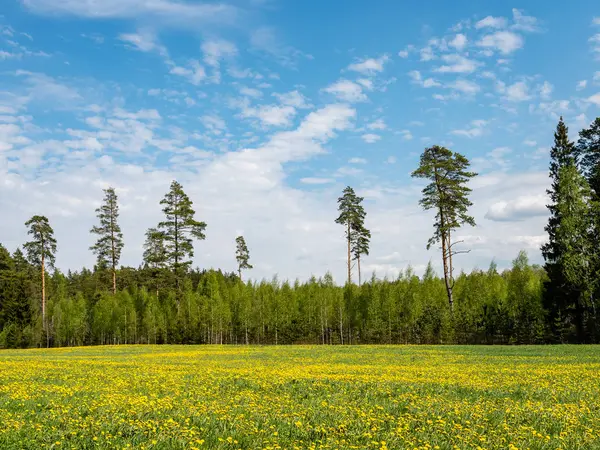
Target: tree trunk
<point>446,247</point>
<point>240,273</point>
<point>358,261</point>
<point>44,324</point>
<point>113,254</point>
<point>349,260</point>
<point>341,327</point>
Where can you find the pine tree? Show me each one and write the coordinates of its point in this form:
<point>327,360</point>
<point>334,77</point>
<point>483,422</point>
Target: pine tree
<point>41,252</point>
<point>352,216</point>
<point>447,194</point>
<point>155,253</point>
<point>242,255</point>
<point>179,229</point>
<point>110,243</point>
<point>360,245</point>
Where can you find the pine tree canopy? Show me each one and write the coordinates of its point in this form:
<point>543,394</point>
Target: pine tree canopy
<point>179,227</point>
<point>43,244</point>
<point>447,192</point>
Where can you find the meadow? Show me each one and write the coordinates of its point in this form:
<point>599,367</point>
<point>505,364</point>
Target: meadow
<point>301,397</point>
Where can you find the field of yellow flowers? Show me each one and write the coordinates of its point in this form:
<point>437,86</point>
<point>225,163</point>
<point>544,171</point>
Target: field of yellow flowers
<point>377,397</point>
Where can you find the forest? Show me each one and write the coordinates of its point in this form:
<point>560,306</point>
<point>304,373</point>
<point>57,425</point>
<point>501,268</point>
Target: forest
<point>165,300</point>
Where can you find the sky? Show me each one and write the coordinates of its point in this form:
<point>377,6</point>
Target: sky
<point>264,110</point>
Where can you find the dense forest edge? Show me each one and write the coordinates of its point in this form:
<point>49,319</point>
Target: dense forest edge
<point>164,300</point>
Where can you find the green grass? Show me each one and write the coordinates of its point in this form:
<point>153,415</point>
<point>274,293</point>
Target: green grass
<point>423,397</point>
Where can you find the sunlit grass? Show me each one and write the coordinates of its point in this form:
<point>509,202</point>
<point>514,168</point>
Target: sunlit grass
<point>301,397</point>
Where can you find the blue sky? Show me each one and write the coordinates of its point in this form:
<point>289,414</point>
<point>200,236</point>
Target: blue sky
<point>264,110</point>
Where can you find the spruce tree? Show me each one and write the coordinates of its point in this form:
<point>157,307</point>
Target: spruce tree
<point>242,255</point>
<point>155,253</point>
<point>588,150</point>
<point>559,295</point>
<point>179,229</point>
<point>352,216</point>
<point>41,251</point>
<point>574,239</point>
<point>448,194</point>
<point>110,243</point>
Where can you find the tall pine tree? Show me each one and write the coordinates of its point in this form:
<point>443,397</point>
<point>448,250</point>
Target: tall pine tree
<point>352,216</point>
<point>242,255</point>
<point>110,243</point>
<point>179,229</point>
<point>360,245</point>
<point>448,194</point>
<point>41,251</point>
<point>155,254</point>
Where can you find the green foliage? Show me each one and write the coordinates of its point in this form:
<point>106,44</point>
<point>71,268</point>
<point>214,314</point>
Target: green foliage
<point>110,243</point>
<point>447,192</point>
<point>179,229</point>
<point>242,255</point>
<point>42,246</point>
<point>352,216</point>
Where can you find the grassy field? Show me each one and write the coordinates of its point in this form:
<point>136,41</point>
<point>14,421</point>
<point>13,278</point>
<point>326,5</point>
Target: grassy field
<point>301,397</point>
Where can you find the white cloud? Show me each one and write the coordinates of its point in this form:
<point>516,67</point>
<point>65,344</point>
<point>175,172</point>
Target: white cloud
<point>468,87</point>
<point>457,64</point>
<point>523,22</point>
<point>546,89</point>
<point>491,22</point>
<point>378,124</point>
<point>427,54</point>
<point>346,90</point>
<point>517,92</point>
<point>169,12</point>
<point>391,160</point>
<point>475,130</point>
<point>195,73</point>
<point>596,77</point>
<point>366,83</point>
<point>595,42</point>
<point>415,75</point>
<point>369,66</point>
<point>530,142</point>
<point>518,209</point>
<point>216,50</point>
<point>144,41</point>
<point>406,135</point>
<point>293,98</point>
<point>265,39</point>
<point>357,161</point>
<point>270,115</point>
<point>505,42</point>
<point>596,21</point>
<point>312,180</point>
<point>459,42</point>
<point>370,138</point>
<point>403,53</point>
<point>595,99</point>
<point>251,92</point>
<point>581,85</point>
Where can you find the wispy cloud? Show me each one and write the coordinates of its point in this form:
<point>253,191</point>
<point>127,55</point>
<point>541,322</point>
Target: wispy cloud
<point>457,64</point>
<point>369,66</point>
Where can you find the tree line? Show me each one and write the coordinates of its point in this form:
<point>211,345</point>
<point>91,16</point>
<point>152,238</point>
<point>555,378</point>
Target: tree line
<point>164,300</point>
